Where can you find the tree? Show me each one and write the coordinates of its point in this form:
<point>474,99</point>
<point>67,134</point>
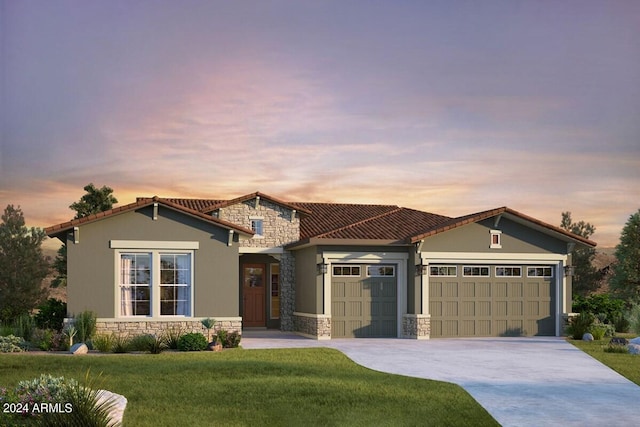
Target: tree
<point>586,277</point>
<point>22,265</point>
<point>626,272</point>
<point>94,201</point>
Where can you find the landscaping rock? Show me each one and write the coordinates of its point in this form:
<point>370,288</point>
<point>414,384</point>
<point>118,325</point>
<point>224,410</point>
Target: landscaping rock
<point>587,337</point>
<point>80,348</point>
<point>120,404</point>
<point>634,348</point>
<point>634,340</point>
<point>618,341</point>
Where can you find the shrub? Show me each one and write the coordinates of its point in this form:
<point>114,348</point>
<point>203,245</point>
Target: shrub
<point>580,325</point>
<point>42,339</point>
<point>103,342</point>
<point>12,344</point>
<point>634,319</point>
<point>51,314</point>
<point>193,341</point>
<point>85,323</point>
<point>6,329</point>
<point>598,330</point>
<point>121,344</point>
<point>157,344</point>
<point>621,323</point>
<point>23,326</point>
<point>603,305</point>
<point>228,339</point>
<point>59,342</point>
<point>171,338</point>
<point>616,348</point>
<point>140,342</point>
<point>221,337</point>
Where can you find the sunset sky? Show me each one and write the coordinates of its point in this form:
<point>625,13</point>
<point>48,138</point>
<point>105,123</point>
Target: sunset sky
<point>451,107</point>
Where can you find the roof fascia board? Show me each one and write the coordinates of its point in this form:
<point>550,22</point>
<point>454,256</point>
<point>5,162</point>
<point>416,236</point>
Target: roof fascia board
<point>315,241</point>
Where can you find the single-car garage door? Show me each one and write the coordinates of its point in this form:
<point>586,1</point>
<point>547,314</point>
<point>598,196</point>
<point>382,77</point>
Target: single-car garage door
<point>363,300</point>
<point>491,300</point>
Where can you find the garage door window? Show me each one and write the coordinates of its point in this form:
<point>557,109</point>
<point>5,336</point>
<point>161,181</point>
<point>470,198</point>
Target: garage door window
<point>346,271</point>
<point>508,271</point>
<point>539,272</point>
<point>443,270</point>
<point>381,271</point>
<point>475,270</point>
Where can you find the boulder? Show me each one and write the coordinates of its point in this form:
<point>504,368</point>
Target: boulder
<point>80,348</point>
<point>635,340</point>
<point>618,341</point>
<point>634,348</point>
<point>587,337</point>
<point>116,412</point>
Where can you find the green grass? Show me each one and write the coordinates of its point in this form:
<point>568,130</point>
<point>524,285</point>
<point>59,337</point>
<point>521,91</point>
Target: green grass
<point>291,387</point>
<point>627,365</point>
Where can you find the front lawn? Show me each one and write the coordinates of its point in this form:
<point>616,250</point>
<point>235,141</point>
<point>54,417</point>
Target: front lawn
<point>284,387</point>
<point>627,365</point>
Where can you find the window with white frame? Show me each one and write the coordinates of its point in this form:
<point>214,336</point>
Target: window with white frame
<point>443,270</point>
<point>257,225</point>
<point>539,271</point>
<point>155,283</point>
<point>381,271</point>
<point>496,239</point>
<point>508,271</point>
<point>475,270</point>
<point>346,271</point>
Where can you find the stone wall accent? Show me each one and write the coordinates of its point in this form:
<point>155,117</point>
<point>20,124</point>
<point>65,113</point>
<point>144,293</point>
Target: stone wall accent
<point>316,326</point>
<point>416,326</point>
<point>566,321</point>
<point>287,291</point>
<point>280,226</point>
<point>156,327</point>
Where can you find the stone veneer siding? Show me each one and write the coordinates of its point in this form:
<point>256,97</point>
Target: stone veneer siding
<point>156,327</point>
<point>416,326</point>
<point>313,325</point>
<point>287,291</point>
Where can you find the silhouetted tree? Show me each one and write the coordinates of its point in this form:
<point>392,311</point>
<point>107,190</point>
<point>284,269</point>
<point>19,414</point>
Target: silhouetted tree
<point>626,274</point>
<point>586,278</point>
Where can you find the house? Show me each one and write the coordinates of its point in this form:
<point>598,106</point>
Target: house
<point>323,270</point>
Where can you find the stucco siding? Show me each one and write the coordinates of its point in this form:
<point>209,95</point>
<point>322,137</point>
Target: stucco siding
<point>308,295</point>
<point>92,262</point>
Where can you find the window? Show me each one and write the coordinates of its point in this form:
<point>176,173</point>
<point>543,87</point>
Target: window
<point>443,270</point>
<point>135,284</point>
<point>155,284</point>
<point>496,239</point>
<point>257,226</point>
<point>539,272</point>
<point>381,271</point>
<point>472,270</point>
<point>508,271</point>
<point>346,270</point>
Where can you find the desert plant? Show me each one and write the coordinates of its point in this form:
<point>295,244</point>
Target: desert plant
<point>85,322</point>
<point>208,323</point>
<point>228,339</point>
<point>193,341</point>
<point>12,344</point>
<point>598,331</point>
<point>621,323</point>
<point>51,314</point>
<point>221,337</point>
<point>70,331</point>
<point>42,339</point>
<point>121,343</point>
<point>157,344</point>
<point>140,342</point>
<point>103,342</point>
<point>23,326</point>
<point>580,325</point>
<point>172,337</point>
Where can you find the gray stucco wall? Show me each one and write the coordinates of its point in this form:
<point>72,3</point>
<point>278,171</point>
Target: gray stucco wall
<point>92,263</point>
<point>516,238</point>
<point>308,296</point>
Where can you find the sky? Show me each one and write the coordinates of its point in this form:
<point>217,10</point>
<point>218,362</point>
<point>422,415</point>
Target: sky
<point>451,107</point>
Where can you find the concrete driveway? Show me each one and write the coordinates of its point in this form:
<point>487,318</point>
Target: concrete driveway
<point>520,381</point>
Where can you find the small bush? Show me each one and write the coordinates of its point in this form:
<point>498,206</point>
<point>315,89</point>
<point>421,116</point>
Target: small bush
<point>621,323</point>
<point>23,326</point>
<point>193,341</point>
<point>6,329</point>
<point>157,344</point>
<point>580,325</point>
<point>103,342</point>
<point>12,344</point>
<point>221,337</point>
<point>42,339</point>
<point>616,348</point>
<point>228,339</point>
<point>598,330</point>
<point>59,342</point>
<point>51,314</point>
<point>121,344</point>
<point>634,319</point>
<point>85,323</point>
<point>140,342</point>
<point>172,337</point>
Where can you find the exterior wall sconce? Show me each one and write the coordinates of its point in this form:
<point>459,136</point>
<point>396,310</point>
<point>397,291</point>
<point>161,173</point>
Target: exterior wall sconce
<point>322,268</point>
<point>569,270</point>
<point>421,270</point>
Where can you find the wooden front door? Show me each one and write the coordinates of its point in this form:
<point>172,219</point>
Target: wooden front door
<point>253,295</point>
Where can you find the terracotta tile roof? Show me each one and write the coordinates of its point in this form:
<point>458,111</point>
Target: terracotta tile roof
<point>479,216</point>
<point>140,203</point>
<point>200,205</point>
<point>326,217</point>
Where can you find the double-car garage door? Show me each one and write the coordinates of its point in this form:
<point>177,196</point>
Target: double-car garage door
<point>364,300</point>
<point>491,300</point>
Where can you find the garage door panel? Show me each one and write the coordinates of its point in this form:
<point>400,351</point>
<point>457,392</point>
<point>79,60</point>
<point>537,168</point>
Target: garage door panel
<point>491,306</point>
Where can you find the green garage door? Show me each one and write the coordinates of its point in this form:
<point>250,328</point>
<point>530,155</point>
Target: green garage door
<point>363,301</point>
<point>491,300</point>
